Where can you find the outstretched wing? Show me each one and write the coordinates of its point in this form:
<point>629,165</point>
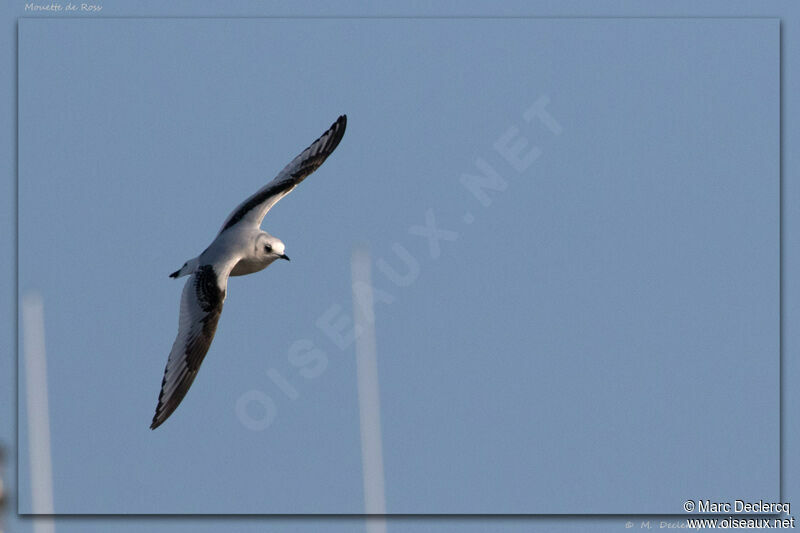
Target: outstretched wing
<point>252,210</point>
<point>201,306</point>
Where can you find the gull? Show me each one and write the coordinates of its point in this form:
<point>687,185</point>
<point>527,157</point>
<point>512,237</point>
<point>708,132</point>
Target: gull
<point>240,248</point>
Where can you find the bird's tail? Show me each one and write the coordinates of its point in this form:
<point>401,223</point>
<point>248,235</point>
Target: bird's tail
<point>187,268</point>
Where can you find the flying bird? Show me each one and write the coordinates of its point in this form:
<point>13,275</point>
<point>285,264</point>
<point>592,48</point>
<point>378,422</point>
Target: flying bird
<point>240,248</point>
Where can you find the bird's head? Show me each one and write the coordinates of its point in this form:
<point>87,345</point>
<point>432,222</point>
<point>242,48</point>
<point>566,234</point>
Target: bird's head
<point>272,247</point>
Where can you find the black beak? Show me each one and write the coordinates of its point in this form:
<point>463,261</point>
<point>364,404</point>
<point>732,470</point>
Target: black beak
<point>284,256</point>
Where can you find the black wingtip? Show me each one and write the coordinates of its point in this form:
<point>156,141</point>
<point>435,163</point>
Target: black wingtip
<point>337,132</point>
<point>339,126</point>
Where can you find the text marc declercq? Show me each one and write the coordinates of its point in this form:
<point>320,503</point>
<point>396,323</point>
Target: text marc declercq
<point>741,506</point>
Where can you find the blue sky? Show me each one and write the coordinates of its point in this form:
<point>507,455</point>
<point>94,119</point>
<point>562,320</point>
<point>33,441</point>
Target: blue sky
<point>165,117</point>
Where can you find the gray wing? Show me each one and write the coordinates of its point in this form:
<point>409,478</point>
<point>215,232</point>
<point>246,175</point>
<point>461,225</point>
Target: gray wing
<point>201,306</point>
<point>252,210</point>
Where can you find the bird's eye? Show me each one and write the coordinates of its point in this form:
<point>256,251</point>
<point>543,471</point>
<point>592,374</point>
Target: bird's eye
<point>268,248</point>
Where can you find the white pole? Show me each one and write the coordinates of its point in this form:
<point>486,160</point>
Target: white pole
<point>38,412</point>
<point>3,497</point>
<point>368,391</point>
